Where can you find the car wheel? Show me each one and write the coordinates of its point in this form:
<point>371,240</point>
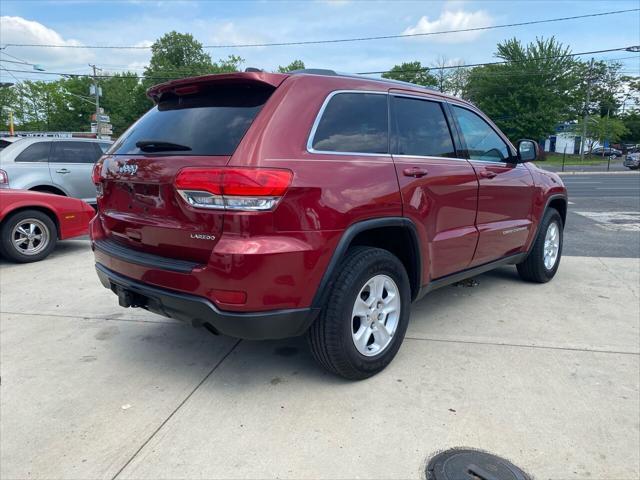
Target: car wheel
<point>27,236</point>
<point>365,317</point>
<point>543,260</point>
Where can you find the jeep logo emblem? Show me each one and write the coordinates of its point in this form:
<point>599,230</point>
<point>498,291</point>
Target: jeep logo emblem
<point>129,169</point>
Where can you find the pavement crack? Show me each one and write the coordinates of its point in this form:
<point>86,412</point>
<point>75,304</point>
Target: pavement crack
<point>522,345</point>
<point>175,410</point>
<point>606,267</point>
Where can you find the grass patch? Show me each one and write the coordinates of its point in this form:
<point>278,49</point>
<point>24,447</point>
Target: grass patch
<point>556,159</point>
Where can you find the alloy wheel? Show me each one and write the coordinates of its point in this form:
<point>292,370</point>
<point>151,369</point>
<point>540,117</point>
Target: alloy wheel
<point>30,236</point>
<point>375,316</point>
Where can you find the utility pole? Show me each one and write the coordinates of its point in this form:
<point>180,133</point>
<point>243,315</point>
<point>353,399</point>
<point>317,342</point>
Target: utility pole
<point>97,93</point>
<point>585,118</point>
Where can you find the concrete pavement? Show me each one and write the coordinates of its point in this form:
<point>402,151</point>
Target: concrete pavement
<point>545,375</point>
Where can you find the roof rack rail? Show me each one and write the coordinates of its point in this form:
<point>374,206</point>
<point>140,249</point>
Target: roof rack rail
<point>315,71</point>
<point>333,73</point>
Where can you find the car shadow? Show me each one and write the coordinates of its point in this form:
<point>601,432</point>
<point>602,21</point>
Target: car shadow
<point>63,248</point>
<point>253,364</point>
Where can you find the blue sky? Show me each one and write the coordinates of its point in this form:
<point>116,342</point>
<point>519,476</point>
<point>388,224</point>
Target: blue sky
<point>138,22</point>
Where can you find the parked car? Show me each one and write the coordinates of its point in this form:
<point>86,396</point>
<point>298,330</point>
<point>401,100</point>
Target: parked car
<point>264,205</point>
<point>54,165</point>
<point>632,161</point>
<point>32,222</point>
<point>606,152</point>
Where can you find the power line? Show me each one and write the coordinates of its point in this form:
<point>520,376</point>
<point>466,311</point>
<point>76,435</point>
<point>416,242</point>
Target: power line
<point>469,65</point>
<point>341,40</point>
<point>14,61</point>
<point>449,67</point>
<point>14,57</point>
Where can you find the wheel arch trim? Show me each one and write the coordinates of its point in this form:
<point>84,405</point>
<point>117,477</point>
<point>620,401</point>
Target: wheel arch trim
<point>550,198</point>
<point>347,238</point>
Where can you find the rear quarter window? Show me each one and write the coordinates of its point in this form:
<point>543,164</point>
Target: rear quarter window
<point>209,122</point>
<point>74,152</point>
<point>36,152</point>
<point>353,123</point>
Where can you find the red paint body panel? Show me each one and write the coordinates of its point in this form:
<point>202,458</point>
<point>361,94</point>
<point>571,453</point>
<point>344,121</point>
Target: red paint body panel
<point>278,257</point>
<point>72,215</point>
<point>443,206</point>
<point>504,218</point>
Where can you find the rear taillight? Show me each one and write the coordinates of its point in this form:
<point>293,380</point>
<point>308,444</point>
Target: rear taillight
<point>233,188</point>
<point>4,179</point>
<point>96,173</point>
<point>96,177</point>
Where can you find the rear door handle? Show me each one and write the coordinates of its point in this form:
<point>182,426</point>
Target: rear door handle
<point>487,174</point>
<point>415,172</point>
<point>63,171</point>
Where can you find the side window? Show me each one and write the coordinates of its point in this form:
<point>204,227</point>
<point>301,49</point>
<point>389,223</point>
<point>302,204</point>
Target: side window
<point>483,143</point>
<point>420,128</point>
<point>74,152</point>
<point>37,152</point>
<point>353,122</point>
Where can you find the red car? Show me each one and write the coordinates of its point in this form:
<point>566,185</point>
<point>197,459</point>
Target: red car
<point>264,205</point>
<point>32,222</point>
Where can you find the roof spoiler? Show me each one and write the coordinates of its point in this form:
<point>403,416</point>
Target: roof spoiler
<point>181,86</point>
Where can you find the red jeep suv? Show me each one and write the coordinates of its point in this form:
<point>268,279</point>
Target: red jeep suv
<point>263,205</point>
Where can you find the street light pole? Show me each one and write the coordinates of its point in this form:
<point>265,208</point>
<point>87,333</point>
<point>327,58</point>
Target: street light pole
<point>585,118</point>
<point>97,93</point>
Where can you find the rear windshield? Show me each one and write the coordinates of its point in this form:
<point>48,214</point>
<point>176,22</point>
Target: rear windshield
<point>210,122</point>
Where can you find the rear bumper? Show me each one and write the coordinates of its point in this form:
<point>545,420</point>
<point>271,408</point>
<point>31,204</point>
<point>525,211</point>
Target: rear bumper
<point>199,311</point>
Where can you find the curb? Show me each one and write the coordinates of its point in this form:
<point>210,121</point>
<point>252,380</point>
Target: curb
<point>630,172</point>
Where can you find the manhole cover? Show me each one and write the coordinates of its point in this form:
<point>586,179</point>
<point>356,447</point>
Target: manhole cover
<point>464,464</point>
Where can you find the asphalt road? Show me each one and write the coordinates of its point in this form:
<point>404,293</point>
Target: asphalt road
<point>604,215</point>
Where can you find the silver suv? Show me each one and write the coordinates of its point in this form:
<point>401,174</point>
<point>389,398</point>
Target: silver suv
<point>56,165</point>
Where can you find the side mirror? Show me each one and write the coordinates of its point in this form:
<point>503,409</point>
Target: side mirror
<point>527,151</point>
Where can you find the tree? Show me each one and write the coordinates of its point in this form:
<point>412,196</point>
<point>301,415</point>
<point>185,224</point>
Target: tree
<point>412,72</point>
<point>124,100</point>
<point>602,129</point>
<point>8,102</point>
<point>529,94</point>
<point>631,122</point>
<point>178,55</point>
<point>295,65</point>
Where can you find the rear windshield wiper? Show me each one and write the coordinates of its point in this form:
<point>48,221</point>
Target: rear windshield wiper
<point>160,146</point>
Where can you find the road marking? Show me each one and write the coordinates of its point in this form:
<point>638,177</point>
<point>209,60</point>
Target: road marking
<point>617,188</point>
<point>615,221</point>
<point>571,203</point>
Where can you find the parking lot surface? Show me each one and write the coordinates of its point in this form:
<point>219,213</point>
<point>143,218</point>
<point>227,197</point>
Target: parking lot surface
<point>544,375</point>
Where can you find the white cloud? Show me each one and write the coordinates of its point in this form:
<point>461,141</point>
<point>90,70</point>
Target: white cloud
<point>21,30</point>
<point>452,20</point>
<point>228,33</point>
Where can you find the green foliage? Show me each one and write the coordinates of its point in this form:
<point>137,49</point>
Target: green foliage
<point>601,129</point>
<point>178,55</point>
<point>631,122</point>
<point>295,65</point>
<point>412,72</point>
<point>124,99</point>
<point>532,92</point>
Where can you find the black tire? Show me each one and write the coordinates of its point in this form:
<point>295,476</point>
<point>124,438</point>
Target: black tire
<point>330,336</point>
<point>11,252</point>
<point>533,268</point>
<point>633,168</point>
